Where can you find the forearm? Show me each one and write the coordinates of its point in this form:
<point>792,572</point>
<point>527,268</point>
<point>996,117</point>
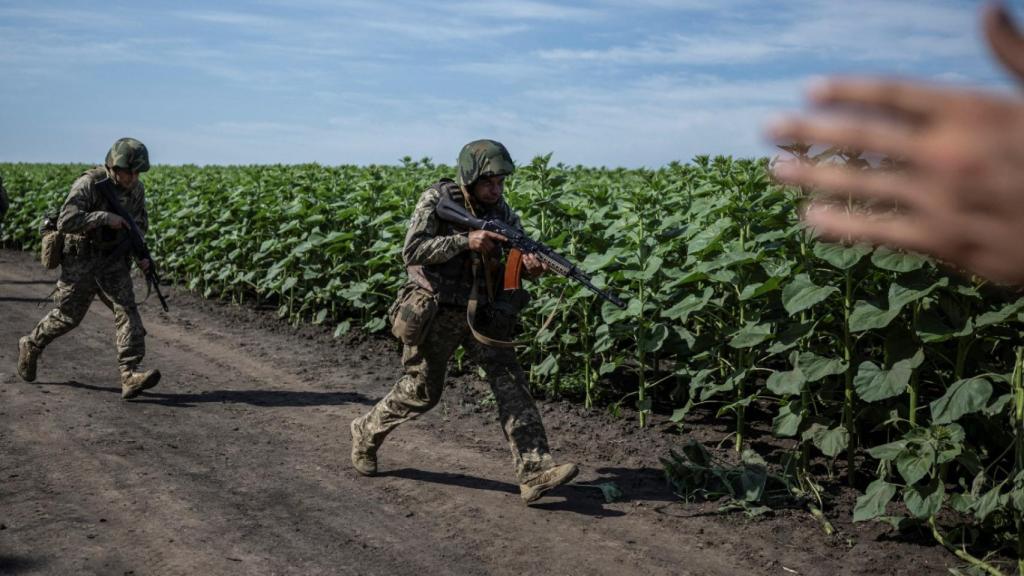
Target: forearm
<point>423,249</point>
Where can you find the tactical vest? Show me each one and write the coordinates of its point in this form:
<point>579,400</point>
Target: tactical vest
<point>452,281</point>
<point>103,238</point>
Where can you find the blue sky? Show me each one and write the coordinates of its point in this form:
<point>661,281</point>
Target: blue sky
<point>607,82</point>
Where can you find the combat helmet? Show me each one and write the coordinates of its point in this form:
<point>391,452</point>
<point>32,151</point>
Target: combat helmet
<point>129,154</point>
<point>483,158</point>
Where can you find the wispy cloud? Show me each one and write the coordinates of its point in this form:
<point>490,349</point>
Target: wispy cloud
<point>497,11</point>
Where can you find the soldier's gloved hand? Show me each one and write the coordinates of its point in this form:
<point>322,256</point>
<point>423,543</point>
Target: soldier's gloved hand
<point>534,266</point>
<point>484,242</point>
<point>116,222</point>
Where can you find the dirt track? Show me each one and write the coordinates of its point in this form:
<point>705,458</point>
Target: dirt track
<point>237,463</point>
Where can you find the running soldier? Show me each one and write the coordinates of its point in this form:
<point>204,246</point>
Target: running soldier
<point>94,263</point>
<point>447,268</point>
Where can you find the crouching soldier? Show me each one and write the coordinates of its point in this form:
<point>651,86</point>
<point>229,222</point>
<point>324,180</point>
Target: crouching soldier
<point>449,270</point>
<point>95,263</point>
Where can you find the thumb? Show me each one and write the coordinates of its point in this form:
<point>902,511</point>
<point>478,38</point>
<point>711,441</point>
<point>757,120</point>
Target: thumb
<point>1004,39</point>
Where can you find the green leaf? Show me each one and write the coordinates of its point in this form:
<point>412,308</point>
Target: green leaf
<point>1001,315</point>
<point>842,257</point>
<point>963,397</point>
<point>887,259</point>
<point>868,316</point>
<point>989,503</point>
<point>873,383</point>
<point>376,324</point>
<point>817,367</point>
<point>832,441</point>
<point>652,339</point>
<point>548,367</point>
<point>342,329</point>
<point>751,335</point>
<point>801,293</point>
<point>889,451</point>
<point>872,503</point>
<point>912,288</point>
<point>790,337</point>
<point>757,289</point>
<point>784,383</point>
<point>688,305</point>
<point>786,423</point>
<point>915,463</point>
<point>925,501</point>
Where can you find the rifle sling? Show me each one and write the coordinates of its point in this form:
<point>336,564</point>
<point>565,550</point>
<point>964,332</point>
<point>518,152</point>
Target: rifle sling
<point>125,246</point>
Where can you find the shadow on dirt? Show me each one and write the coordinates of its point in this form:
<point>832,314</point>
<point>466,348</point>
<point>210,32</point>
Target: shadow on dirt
<point>17,564</point>
<point>583,499</point>
<point>269,398</point>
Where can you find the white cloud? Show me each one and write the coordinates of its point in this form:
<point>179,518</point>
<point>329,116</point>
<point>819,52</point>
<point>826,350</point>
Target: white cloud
<point>498,11</point>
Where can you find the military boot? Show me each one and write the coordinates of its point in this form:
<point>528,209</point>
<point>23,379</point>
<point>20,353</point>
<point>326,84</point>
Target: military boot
<point>364,452</point>
<point>133,383</point>
<point>28,355</point>
<point>534,487</point>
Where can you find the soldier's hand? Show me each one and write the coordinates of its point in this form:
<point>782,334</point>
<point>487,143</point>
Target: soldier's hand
<point>116,222</point>
<point>144,264</point>
<point>961,195</point>
<point>484,241</point>
<point>534,266</point>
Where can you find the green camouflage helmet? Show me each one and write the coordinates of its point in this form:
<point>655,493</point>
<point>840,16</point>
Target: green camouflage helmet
<point>129,154</point>
<point>483,158</point>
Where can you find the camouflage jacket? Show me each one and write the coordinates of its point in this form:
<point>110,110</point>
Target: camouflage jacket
<point>85,213</point>
<point>436,253</point>
<point>4,203</point>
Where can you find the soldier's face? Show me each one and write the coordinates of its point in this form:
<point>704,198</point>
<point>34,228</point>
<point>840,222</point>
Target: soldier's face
<point>125,178</point>
<point>488,189</point>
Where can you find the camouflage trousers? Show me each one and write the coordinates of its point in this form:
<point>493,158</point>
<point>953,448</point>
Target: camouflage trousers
<point>419,390</point>
<point>83,278</point>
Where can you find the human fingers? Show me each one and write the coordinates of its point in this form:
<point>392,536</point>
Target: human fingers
<point>494,236</point>
<point>841,181</point>
<point>898,96</point>
<point>1004,39</point>
<point>890,138</point>
<point>895,231</point>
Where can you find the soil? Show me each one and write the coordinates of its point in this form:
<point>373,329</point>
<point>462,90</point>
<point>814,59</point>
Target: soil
<point>238,463</point>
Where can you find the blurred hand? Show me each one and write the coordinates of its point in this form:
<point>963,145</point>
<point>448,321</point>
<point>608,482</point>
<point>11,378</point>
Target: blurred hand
<point>960,196</point>
<point>116,222</point>
<point>144,264</point>
<point>534,266</point>
<point>484,242</point>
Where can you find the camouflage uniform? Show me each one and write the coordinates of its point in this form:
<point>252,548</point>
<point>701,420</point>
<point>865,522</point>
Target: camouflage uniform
<point>4,202</point>
<point>91,266</point>
<point>439,262</point>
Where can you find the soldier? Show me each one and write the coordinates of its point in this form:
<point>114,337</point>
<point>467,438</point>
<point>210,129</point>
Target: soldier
<point>4,203</point>
<point>446,268</point>
<point>95,264</point>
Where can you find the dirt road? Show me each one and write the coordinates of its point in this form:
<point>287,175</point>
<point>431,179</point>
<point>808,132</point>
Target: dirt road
<point>237,463</point>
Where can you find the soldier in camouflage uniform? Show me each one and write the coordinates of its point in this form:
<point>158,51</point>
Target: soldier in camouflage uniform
<point>442,261</point>
<point>4,203</point>
<point>93,265</point>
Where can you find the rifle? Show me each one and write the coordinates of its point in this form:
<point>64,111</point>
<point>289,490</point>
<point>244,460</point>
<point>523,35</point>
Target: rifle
<point>450,211</point>
<point>134,242</point>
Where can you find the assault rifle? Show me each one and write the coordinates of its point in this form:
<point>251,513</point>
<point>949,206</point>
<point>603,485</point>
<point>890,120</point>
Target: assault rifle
<point>135,243</point>
<point>450,211</point>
